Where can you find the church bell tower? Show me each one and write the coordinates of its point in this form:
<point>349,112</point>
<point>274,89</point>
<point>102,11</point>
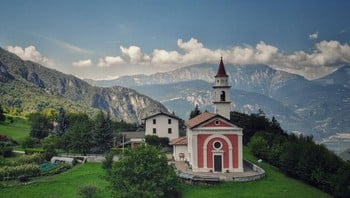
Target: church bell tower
<point>221,100</point>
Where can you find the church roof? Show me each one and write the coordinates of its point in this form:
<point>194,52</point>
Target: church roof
<point>179,141</point>
<point>221,70</point>
<point>199,119</point>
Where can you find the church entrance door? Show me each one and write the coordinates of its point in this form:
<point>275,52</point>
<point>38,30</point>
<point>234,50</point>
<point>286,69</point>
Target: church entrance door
<point>217,163</point>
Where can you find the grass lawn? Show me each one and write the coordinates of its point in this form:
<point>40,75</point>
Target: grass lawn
<point>67,184</point>
<point>17,130</point>
<point>275,184</point>
<point>64,185</point>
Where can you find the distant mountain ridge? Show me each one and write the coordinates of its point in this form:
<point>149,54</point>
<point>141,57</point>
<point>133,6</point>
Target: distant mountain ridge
<point>52,88</point>
<point>312,107</point>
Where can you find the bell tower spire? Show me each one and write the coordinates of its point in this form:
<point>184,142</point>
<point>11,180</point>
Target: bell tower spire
<point>221,100</point>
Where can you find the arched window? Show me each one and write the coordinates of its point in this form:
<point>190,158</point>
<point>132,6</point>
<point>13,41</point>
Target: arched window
<point>222,96</point>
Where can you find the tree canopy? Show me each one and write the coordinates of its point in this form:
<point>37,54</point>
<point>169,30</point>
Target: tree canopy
<point>143,172</point>
<point>195,112</point>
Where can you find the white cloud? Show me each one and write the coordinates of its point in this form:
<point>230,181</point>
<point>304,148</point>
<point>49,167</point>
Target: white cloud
<point>165,57</point>
<point>82,63</point>
<point>134,54</point>
<point>110,61</point>
<point>326,56</point>
<point>313,36</point>
<point>30,53</point>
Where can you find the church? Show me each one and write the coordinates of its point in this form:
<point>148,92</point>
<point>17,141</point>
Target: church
<point>213,143</point>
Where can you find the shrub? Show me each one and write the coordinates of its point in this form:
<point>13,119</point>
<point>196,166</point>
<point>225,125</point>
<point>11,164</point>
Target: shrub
<point>35,158</point>
<point>59,169</point>
<point>30,142</point>
<point>12,172</point>
<point>6,149</point>
<point>88,191</point>
<point>23,178</point>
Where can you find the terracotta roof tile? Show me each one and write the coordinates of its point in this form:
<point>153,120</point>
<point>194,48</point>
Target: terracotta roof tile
<point>179,141</point>
<point>199,119</point>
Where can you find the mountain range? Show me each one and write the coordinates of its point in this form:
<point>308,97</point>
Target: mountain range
<point>30,87</point>
<point>313,107</point>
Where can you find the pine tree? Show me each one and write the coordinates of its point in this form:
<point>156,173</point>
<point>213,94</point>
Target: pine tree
<point>62,122</point>
<point>103,133</point>
<point>195,112</point>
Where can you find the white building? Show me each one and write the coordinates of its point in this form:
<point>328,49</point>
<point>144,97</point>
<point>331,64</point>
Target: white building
<point>162,125</point>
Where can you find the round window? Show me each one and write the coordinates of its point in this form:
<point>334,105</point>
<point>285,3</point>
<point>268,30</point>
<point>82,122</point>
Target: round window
<point>217,122</point>
<point>217,145</point>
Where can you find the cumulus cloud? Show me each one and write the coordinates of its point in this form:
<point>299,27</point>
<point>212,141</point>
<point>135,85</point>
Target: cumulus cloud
<point>134,54</point>
<point>30,53</point>
<point>109,61</point>
<point>313,36</point>
<point>82,63</point>
<point>326,56</point>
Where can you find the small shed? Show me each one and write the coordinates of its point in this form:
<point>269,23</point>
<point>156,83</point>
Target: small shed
<point>67,160</point>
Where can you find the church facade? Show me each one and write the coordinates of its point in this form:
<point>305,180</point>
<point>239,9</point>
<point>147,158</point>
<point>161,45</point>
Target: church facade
<point>214,144</point>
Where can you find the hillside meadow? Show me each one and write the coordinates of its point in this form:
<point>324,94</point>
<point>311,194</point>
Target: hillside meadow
<point>69,183</point>
<point>17,129</point>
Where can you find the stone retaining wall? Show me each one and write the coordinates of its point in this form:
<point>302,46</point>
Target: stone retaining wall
<point>260,173</point>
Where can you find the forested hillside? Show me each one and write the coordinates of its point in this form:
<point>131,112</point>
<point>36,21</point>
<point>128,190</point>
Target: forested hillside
<point>29,87</point>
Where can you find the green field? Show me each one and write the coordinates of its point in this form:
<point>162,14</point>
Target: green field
<point>64,185</point>
<point>275,184</point>
<point>17,130</point>
<point>67,184</point>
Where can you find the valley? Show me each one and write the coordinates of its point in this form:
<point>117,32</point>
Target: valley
<point>312,107</point>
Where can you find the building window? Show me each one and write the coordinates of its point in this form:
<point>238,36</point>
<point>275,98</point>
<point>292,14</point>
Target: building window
<point>154,130</point>
<point>169,130</point>
<point>169,121</point>
<point>154,121</point>
<point>217,122</point>
<point>222,96</point>
<point>217,145</point>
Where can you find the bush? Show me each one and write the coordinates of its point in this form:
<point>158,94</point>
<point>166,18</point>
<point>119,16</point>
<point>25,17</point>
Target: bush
<point>6,149</point>
<point>143,172</point>
<point>35,158</point>
<point>12,172</point>
<point>107,164</point>
<point>30,142</point>
<point>88,191</point>
<point>59,169</point>
<point>154,140</point>
<point>23,178</point>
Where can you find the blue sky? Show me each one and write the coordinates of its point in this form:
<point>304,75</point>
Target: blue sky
<point>107,39</point>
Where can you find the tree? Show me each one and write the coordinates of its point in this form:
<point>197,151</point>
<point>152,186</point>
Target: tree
<point>195,112</point>
<point>103,133</point>
<point>79,134</point>
<point>49,145</point>
<point>2,116</point>
<point>154,140</point>
<point>259,146</point>
<point>61,122</point>
<point>143,172</point>
<point>41,126</point>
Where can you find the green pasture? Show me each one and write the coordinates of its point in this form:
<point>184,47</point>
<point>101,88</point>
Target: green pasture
<point>275,184</point>
<point>67,184</point>
<point>17,130</point>
<point>64,185</point>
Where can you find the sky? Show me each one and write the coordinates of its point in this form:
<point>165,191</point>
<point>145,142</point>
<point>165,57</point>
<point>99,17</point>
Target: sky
<point>111,38</point>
